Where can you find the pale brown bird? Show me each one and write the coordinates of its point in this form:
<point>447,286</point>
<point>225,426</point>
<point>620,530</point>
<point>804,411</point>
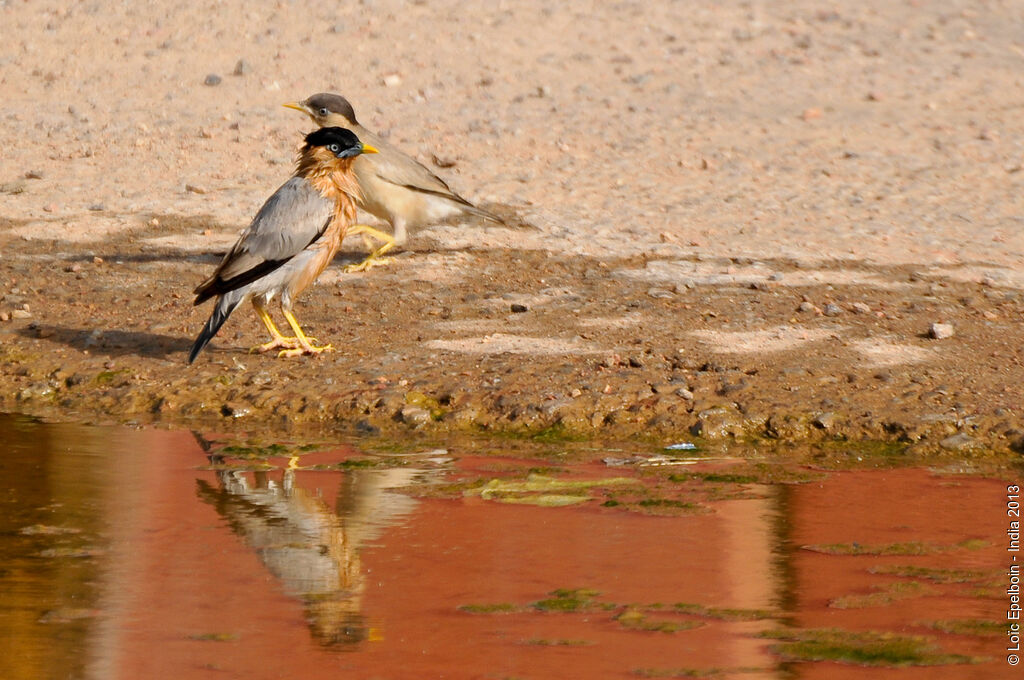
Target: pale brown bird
<point>394,186</point>
<point>290,241</point>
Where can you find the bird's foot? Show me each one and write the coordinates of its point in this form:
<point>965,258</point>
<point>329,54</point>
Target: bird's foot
<point>276,343</point>
<point>367,264</point>
<point>305,349</point>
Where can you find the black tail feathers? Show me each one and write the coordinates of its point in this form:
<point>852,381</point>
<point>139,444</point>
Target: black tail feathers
<point>221,311</point>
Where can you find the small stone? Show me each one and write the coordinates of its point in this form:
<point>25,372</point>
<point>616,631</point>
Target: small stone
<point>659,293</point>
<point>807,307</point>
<point>242,68</point>
<point>832,309</point>
<point>194,189</point>
<point>825,421</point>
<point>155,222</point>
<point>414,415</point>
<point>21,314</point>
<point>97,207</point>
<point>97,259</point>
<point>392,80</point>
<point>230,410</point>
<point>50,207</point>
<point>34,174</point>
<point>634,362</point>
<point>960,442</point>
<point>811,113</point>
<point>4,316</point>
<point>860,308</point>
<point>76,267</point>
<point>940,331</point>
<point>684,393</point>
<point>518,308</point>
<point>212,80</point>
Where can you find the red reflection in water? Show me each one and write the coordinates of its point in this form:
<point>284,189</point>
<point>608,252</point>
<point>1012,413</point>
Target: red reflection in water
<point>186,576</point>
<point>894,507</point>
<point>327,574</point>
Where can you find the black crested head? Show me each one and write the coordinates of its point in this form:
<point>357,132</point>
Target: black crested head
<point>323,104</point>
<point>339,141</point>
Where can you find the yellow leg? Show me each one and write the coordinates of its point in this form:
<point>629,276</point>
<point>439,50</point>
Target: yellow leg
<point>279,341</point>
<point>305,346</point>
<point>374,258</point>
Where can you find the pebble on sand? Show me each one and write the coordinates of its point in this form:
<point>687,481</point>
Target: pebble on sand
<point>940,331</point>
<point>212,79</point>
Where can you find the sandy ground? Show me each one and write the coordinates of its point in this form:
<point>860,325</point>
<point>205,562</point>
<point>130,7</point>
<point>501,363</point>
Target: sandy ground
<point>746,215</point>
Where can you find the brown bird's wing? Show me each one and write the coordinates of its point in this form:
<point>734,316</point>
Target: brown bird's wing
<point>396,167</point>
<point>295,216</point>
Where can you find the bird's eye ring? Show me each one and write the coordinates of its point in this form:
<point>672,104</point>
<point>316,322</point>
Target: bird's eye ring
<point>334,148</point>
<point>323,111</point>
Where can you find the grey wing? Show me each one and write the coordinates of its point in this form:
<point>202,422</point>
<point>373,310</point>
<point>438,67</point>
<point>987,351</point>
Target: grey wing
<point>292,218</point>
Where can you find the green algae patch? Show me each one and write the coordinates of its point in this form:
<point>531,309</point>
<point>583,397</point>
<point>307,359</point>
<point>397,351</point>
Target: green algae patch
<point>421,400</point>
<point>901,590</point>
<point>980,627</point>
<point>862,648</point>
<point>715,478</point>
<point>634,619</point>
<point>937,575</point>
<point>493,608</point>
<point>545,642</point>
<point>543,490</point>
<point>567,600</point>
<point>908,548</point>
<point>724,613</point>
<point>107,377</point>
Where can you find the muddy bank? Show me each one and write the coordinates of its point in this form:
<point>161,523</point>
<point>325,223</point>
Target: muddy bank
<point>749,221</point>
<point>528,342</point>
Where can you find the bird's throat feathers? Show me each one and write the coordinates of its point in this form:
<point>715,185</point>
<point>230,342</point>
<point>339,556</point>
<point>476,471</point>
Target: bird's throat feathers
<point>331,176</point>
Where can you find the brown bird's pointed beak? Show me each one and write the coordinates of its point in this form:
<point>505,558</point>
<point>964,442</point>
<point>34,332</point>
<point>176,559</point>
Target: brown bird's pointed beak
<point>369,149</point>
<point>298,106</point>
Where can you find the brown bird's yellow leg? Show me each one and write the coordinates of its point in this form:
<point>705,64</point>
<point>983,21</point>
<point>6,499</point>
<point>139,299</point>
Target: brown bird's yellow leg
<point>374,258</point>
<point>279,341</point>
<point>305,346</point>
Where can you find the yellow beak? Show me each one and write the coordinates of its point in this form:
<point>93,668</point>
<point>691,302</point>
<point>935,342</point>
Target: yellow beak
<point>369,149</point>
<point>298,106</point>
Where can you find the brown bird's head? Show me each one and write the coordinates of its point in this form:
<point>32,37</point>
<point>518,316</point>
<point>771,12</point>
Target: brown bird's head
<point>329,149</point>
<point>327,110</point>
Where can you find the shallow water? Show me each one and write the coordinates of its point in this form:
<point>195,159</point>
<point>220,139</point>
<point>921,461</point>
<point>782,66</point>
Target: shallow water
<point>130,553</point>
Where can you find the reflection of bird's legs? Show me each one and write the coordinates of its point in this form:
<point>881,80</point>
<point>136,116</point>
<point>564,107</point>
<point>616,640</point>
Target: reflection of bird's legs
<point>279,341</point>
<point>374,258</point>
<point>305,346</point>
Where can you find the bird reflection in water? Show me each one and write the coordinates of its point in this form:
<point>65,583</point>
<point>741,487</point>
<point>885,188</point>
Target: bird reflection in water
<point>313,550</point>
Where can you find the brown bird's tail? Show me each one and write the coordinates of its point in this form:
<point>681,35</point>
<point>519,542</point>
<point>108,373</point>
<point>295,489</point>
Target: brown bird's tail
<point>480,212</point>
<point>221,311</point>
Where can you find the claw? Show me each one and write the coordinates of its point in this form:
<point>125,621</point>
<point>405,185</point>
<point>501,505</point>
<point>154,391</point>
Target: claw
<point>308,349</point>
<point>276,343</point>
<point>367,264</point>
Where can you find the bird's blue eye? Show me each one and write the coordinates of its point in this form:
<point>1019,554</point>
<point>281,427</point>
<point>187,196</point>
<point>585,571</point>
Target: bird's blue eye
<point>334,148</point>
